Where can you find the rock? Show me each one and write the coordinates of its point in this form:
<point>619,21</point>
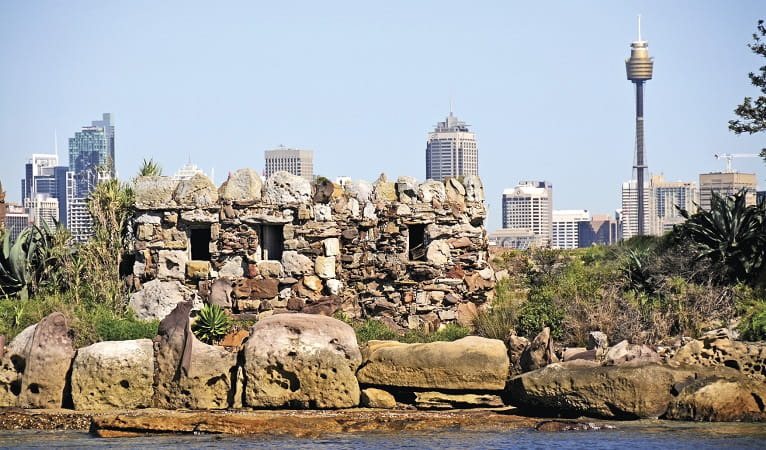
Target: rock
<point>235,338</point>
<point>438,253</point>
<point>324,191</point>
<point>516,346</point>
<point>189,373</point>
<point>454,191</point>
<point>313,282</point>
<point>599,342</point>
<point>301,360</point>
<point>12,366</point>
<point>440,400</point>
<point>431,190</point>
<point>377,398</point>
<point>334,286</point>
<point>325,267</point>
<point>264,289</point>
<point>270,269</point>
<point>322,213</point>
<point>384,190</point>
<point>361,190</point>
<point>296,264</point>
<point>47,364</point>
<point>285,188</point>
<point>326,306</point>
<point>716,348</point>
<point>407,189</point>
<point>158,298</point>
<point>232,268</point>
<point>624,352</point>
<point>331,247</point>
<point>720,400</point>
<point>474,189</point>
<point>539,353</point>
<point>242,185</point>
<point>198,191</point>
<point>198,270</point>
<point>585,388</point>
<point>113,375</point>
<point>573,353</point>
<point>220,293</point>
<point>569,425</point>
<point>172,265</point>
<point>468,363</point>
<point>155,192</point>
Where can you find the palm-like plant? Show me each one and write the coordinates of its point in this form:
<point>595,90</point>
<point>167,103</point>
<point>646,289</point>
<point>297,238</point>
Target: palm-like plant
<point>212,324</point>
<point>731,234</point>
<point>23,262</point>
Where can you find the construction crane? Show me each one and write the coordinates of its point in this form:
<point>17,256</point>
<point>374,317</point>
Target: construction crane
<point>729,156</point>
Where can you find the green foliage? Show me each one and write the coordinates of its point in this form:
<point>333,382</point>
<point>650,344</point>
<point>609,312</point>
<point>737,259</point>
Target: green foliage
<point>499,320</point>
<point>731,234</point>
<point>24,261</point>
<point>538,314</point>
<point>115,328</point>
<point>752,113</point>
<point>752,307</point>
<point>212,324</point>
<point>149,168</point>
<point>374,330</point>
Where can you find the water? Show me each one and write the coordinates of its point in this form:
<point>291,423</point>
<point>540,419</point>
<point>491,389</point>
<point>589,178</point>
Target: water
<point>643,435</point>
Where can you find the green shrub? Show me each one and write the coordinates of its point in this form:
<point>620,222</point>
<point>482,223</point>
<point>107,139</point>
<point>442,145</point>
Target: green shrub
<point>212,324</point>
<point>374,330</point>
<point>538,314</point>
<point>125,328</point>
<point>751,304</point>
<point>451,332</point>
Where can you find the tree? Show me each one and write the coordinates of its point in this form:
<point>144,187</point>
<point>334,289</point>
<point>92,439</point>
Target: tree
<point>752,112</point>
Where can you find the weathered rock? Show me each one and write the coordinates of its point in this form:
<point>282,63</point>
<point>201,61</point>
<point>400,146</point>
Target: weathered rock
<point>48,360</point>
<point>573,353</point>
<point>384,190</point>
<point>624,352</point>
<point>334,286</point>
<point>198,191</point>
<point>407,189</point>
<point>716,348</point>
<point>12,366</point>
<point>516,346</point>
<point>296,264</point>
<point>220,293</point>
<point>361,190</point>
<point>586,388</point>
<point>313,282</point>
<point>285,188</point>
<point>113,375</point>
<point>440,400</point>
<point>431,190</point>
<point>599,342</point>
<point>197,270</point>
<point>189,373</point>
<point>474,189</point>
<point>232,268</point>
<point>325,267</point>
<point>331,246</point>
<point>155,192</point>
<point>324,191</point>
<point>720,400</point>
<point>468,363</point>
<point>158,298</point>
<point>172,265</point>
<point>377,398</point>
<point>438,253</point>
<point>326,306</point>
<point>301,360</point>
<point>454,191</point>
<point>268,288</point>
<point>242,185</point>
<point>270,269</point>
<point>539,353</point>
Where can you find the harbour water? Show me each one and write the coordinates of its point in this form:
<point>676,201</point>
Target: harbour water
<point>640,434</point>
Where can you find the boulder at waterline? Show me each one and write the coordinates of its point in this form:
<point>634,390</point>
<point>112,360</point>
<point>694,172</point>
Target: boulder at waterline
<point>12,366</point>
<point>377,398</point>
<point>441,400</point>
<point>301,360</point>
<point>113,375</point>
<point>720,400</point>
<point>472,363</point>
<point>190,373</point>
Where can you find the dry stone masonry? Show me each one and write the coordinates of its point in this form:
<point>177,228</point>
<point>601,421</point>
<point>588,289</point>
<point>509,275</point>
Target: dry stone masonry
<point>412,254</point>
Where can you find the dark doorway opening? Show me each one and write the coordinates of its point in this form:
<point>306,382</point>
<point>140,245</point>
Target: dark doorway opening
<point>272,241</point>
<point>200,243</point>
<point>417,238</point>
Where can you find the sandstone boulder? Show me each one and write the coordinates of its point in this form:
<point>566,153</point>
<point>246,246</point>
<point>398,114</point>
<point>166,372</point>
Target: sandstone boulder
<point>716,348</point>
<point>432,190</point>
<point>454,191</point>
<point>474,189</point>
<point>220,293</point>
<point>377,398</point>
<point>198,191</point>
<point>438,253</point>
<point>441,400</point>
<point>242,185</point>
<point>189,373</point>
<point>301,360</point>
<point>468,363</point>
<point>296,264</point>
<point>360,190</point>
<point>285,188</point>
<point>158,298</point>
<point>324,191</point>
<point>407,189</point>
<point>599,343</point>
<point>624,352</point>
<point>12,366</point>
<point>155,192</point>
<point>113,375</point>
<point>585,388</point>
<point>720,400</point>
<point>539,353</point>
<point>384,190</point>
<point>172,265</point>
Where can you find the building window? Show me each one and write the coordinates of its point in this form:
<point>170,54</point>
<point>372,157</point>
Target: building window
<point>417,237</point>
<point>272,240</point>
<point>200,243</point>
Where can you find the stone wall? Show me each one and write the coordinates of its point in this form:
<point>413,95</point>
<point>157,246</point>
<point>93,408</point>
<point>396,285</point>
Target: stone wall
<point>412,254</point>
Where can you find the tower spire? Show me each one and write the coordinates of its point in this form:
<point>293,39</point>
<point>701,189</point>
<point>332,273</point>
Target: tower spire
<point>639,28</point>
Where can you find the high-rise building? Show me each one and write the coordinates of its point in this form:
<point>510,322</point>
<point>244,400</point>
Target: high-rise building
<point>565,227</point>
<point>639,70</point>
<point>661,202</point>
<point>601,229</point>
<point>529,206</point>
<point>42,208</point>
<point>297,162</point>
<point>724,184</point>
<point>91,161</point>
<point>16,219</point>
<point>451,150</point>
<point>45,180</point>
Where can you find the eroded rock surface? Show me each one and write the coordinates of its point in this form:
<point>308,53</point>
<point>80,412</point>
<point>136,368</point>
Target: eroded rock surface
<point>301,360</point>
<point>720,400</point>
<point>158,298</point>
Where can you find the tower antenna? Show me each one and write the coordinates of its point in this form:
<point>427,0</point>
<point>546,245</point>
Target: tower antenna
<point>639,28</point>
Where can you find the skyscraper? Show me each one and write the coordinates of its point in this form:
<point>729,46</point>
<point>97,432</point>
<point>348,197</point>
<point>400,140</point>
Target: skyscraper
<point>661,199</point>
<point>565,228</point>
<point>529,206</point>
<point>297,162</point>
<point>44,182</point>
<point>91,161</point>
<point>726,183</point>
<point>600,230</point>
<point>451,150</point>
<point>639,69</point>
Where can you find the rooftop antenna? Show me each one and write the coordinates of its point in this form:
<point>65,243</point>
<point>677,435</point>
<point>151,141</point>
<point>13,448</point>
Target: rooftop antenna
<point>450,105</point>
<point>639,28</point>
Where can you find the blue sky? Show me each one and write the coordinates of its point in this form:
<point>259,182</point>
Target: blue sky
<point>542,84</point>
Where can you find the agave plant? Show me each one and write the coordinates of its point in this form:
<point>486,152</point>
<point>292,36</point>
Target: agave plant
<point>23,261</point>
<point>730,234</point>
<point>212,324</point>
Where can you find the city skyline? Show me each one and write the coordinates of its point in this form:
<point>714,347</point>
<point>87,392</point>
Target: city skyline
<point>355,84</point>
